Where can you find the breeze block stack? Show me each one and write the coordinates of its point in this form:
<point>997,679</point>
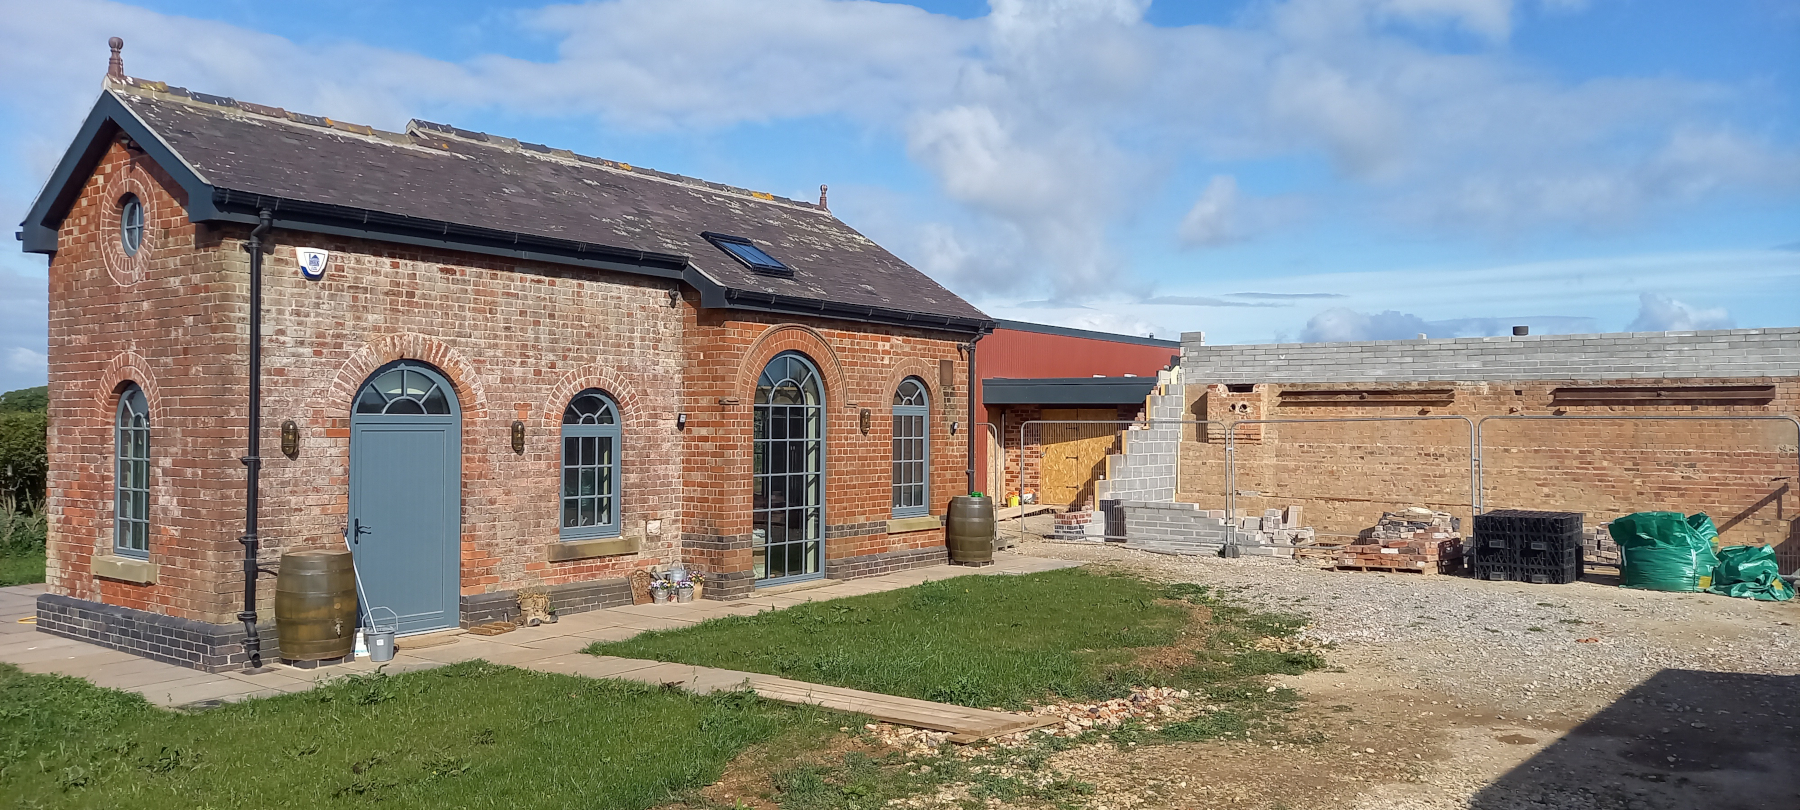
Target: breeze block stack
<point>1521,545</point>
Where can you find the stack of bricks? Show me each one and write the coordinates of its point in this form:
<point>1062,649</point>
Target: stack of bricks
<point>1080,524</point>
<point>1185,528</point>
<point>1413,539</point>
<point>1597,545</point>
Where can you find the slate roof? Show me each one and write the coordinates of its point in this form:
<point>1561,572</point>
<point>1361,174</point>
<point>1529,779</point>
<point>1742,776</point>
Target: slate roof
<point>477,183</point>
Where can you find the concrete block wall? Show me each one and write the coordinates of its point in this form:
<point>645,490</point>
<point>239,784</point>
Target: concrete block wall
<point>1184,528</point>
<point>1147,470</point>
<point>1612,356</point>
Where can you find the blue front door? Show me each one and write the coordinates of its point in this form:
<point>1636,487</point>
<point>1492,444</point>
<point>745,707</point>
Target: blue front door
<point>405,496</point>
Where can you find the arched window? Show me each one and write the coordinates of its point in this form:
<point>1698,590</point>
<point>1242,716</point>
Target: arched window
<point>404,391</point>
<point>131,224</point>
<point>131,493</point>
<point>912,450</point>
<point>590,467</point>
<point>788,469</point>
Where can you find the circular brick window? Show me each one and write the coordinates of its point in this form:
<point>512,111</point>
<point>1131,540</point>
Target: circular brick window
<point>126,238</point>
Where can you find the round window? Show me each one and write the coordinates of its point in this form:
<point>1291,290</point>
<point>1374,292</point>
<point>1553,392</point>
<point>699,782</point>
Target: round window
<point>131,224</point>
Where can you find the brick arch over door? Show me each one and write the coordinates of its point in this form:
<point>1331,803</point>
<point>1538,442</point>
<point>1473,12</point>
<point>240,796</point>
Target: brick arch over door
<point>463,376</point>
<point>789,337</point>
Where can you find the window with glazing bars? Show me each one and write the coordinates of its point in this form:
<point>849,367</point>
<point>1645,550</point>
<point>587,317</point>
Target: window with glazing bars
<point>787,470</point>
<point>131,496</point>
<point>590,467</point>
<point>912,450</point>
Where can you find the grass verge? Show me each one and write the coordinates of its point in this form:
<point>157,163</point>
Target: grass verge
<point>21,569</point>
<point>472,735</point>
<point>981,641</point>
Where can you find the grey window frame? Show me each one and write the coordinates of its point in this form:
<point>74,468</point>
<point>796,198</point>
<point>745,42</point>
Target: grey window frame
<point>606,479</point>
<point>131,234</point>
<point>772,505</point>
<point>131,474</point>
<point>911,454</point>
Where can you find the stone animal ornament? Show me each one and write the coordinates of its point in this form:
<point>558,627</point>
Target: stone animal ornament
<point>534,608</point>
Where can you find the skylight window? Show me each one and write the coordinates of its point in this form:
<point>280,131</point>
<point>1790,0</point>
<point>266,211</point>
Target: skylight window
<point>752,256</point>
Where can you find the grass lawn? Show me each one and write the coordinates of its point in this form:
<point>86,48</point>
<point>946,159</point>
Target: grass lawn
<point>472,735</point>
<point>985,641</point>
<point>21,569</point>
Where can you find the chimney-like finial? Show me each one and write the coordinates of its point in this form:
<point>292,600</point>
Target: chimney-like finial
<point>115,67</point>
<point>822,188</point>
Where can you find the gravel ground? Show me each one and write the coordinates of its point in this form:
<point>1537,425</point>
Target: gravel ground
<point>1535,696</point>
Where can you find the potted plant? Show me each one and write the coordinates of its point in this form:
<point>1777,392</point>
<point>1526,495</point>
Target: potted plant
<point>659,590</point>
<point>684,591</point>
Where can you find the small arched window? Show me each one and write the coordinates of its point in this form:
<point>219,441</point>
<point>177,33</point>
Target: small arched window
<point>590,467</point>
<point>912,450</point>
<point>131,479</point>
<point>131,224</point>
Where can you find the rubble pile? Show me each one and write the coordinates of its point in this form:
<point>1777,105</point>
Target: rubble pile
<point>1413,539</point>
<point>1151,704</point>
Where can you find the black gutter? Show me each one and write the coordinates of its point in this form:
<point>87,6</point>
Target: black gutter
<point>715,296</point>
<point>253,461</point>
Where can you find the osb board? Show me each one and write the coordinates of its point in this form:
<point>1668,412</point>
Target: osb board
<point>1075,455</point>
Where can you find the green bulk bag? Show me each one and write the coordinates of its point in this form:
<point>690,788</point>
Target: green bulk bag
<point>1750,572</point>
<point>1664,551</point>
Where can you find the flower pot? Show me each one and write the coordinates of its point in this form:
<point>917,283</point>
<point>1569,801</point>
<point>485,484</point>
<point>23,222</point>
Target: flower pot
<point>684,594</point>
<point>659,596</point>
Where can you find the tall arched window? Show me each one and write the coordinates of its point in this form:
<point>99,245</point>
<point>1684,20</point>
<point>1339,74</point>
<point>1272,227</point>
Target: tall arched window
<point>131,493</point>
<point>788,471</point>
<point>912,450</point>
<point>590,467</point>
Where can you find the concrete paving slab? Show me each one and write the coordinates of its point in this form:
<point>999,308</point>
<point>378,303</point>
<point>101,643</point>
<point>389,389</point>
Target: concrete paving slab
<point>193,693</point>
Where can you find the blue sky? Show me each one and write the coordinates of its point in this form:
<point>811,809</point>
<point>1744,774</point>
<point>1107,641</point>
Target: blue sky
<point>1260,171</point>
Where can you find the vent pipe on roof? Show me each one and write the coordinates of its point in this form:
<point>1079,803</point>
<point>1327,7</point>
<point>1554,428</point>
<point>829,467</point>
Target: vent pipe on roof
<point>115,67</point>
<point>822,188</point>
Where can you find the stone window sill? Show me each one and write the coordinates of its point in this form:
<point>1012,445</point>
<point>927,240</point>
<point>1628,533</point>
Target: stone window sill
<point>585,549</point>
<point>125,569</point>
<point>914,524</point>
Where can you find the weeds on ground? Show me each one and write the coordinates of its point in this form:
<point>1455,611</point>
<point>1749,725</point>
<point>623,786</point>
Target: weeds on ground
<point>23,531</point>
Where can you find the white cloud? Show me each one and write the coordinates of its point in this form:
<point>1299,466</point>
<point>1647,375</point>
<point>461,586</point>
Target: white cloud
<point>21,361</point>
<point>1660,313</point>
<point>1047,125</point>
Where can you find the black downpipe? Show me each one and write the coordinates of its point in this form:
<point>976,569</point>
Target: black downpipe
<point>974,405</point>
<point>253,461</point>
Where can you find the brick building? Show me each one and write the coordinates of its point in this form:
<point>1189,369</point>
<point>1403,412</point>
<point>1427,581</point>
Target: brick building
<point>1601,424</point>
<point>488,365</point>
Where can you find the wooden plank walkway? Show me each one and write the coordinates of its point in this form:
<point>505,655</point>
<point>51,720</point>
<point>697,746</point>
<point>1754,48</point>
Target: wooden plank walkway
<point>966,725</point>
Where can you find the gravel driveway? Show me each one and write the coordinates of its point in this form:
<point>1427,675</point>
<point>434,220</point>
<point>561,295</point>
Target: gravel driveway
<point>1537,696</point>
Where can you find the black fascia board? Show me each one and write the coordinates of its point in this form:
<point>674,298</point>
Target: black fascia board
<point>109,117</point>
<point>717,296</point>
<point>299,215</point>
<point>1067,391</point>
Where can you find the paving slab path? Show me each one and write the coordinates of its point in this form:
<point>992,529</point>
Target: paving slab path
<point>547,648</point>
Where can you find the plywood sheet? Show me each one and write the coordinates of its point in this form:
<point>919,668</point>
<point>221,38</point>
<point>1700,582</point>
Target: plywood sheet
<point>1074,456</point>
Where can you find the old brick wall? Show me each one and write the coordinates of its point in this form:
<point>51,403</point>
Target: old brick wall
<point>517,340</point>
<point>861,366</point>
<point>147,319</point>
<point>1345,474</point>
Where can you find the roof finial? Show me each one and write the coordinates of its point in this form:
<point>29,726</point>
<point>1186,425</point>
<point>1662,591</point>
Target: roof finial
<point>822,188</point>
<point>115,67</point>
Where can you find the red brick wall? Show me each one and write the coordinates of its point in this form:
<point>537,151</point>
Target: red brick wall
<point>861,367</point>
<point>1346,474</point>
<point>152,319</point>
<point>516,339</point>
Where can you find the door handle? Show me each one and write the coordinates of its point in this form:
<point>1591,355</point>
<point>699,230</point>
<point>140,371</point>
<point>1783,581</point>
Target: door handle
<point>358,529</point>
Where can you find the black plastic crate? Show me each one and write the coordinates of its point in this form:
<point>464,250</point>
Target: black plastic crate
<point>1528,522</point>
<point>1549,572</point>
<point>1494,570</point>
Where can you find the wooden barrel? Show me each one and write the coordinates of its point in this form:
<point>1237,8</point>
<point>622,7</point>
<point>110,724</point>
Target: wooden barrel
<point>315,605</point>
<point>970,530</point>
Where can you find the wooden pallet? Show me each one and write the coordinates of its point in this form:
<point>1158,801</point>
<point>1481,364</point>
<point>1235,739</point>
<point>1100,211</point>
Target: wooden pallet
<point>1391,569</point>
